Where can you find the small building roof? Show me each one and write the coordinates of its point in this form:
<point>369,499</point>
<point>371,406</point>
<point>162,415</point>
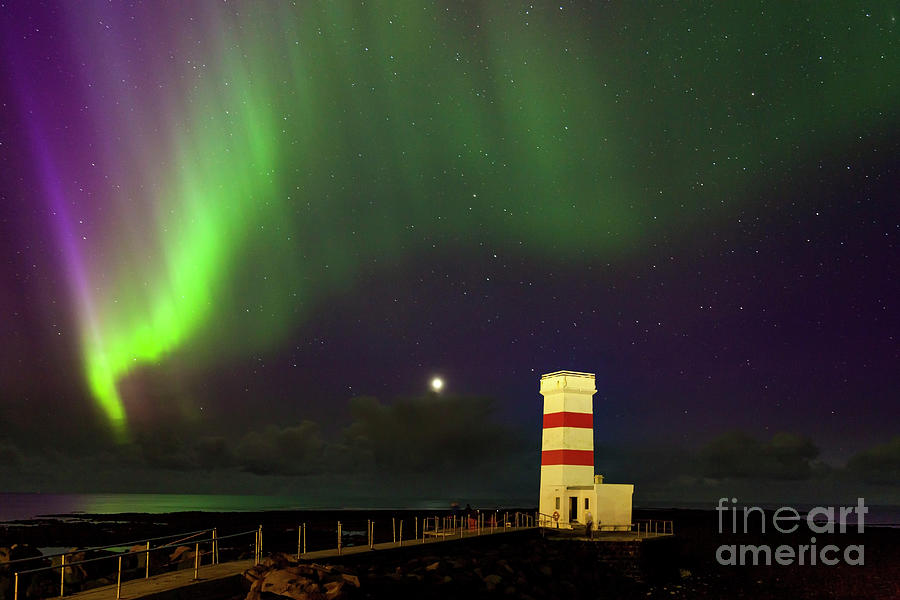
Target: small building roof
<point>568,373</point>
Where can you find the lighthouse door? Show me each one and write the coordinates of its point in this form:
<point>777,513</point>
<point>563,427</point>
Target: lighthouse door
<point>573,508</point>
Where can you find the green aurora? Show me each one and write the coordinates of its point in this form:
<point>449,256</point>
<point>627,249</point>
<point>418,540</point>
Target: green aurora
<point>257,156</point>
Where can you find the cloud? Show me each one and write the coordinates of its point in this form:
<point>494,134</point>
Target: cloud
<point>431,434</point>
<point>879,464</point>
<point>10,455</point>
<point>437,447</point>
<point>737,455</point>
<point>292,450</point>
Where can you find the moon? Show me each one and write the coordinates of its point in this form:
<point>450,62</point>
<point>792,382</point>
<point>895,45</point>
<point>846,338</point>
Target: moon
<point>437,384</point>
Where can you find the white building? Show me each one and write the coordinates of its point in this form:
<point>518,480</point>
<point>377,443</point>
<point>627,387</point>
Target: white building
<point>569,487</point>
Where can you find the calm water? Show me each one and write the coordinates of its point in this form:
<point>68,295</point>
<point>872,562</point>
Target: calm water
<point>27,506</point>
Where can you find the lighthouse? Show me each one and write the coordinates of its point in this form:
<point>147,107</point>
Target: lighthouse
<point>569,487</point>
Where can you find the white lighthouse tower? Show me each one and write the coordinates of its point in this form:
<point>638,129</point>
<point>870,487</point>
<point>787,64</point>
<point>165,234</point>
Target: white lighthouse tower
<point>569,487</point>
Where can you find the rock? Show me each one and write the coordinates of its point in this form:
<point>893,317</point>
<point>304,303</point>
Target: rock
<point>546,570</point>
<point>182,557</point>
<point>138,556</point>
<point>253,574</point>
<point>282,582</point>
<point>20,551</point>
<point>433,566</point>
<point>446,579</point>
<point>253,594</point>
<point>96,569</point>
<point>285,578</point>
<point>333,589</point>
<point>505,566</point>
<point>76,575</point>
<point>492,581</point>
<point>684,573</point>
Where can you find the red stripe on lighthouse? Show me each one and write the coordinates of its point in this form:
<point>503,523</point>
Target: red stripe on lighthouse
<point>568,457</point>
<point>569,419</point>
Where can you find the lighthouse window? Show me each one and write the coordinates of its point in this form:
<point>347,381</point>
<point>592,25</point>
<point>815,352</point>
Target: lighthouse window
<point>557,503</point>
<point>587,503</point>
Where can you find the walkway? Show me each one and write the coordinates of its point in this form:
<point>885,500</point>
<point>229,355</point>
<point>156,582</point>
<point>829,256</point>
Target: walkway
<point>210,574</point>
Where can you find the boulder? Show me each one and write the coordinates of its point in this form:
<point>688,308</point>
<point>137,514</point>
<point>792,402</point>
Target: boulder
<point>75,575</point>
<point>284,582</point>
<point>492,581</point>
<point>139,556</point>
<point>20,551</point>
<point>286,578</point>
<point>182,558</point>
<point>333,589</point>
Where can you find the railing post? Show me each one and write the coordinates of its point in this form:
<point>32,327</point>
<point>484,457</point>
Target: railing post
<point>339,537</point>
<point>416,530</point>
<point>119,580</point>
<point>401,532</point>
<point>299,539</point>
<point>16,588</point>
<point>215,548</point>
<point>147,562</point>
<point>62,577</point>
<point>371,534</point>
<point>394,529</point>
<point>259,547</point>
<point>196,561</point>
<point>304,538</point>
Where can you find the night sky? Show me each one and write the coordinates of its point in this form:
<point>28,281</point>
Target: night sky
<point>239,239</point>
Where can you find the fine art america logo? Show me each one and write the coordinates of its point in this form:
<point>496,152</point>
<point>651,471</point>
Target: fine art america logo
<point>819,520</point>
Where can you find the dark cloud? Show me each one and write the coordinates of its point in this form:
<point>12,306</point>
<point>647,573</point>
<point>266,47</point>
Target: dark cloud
<point>738,455</point>
<point>10,455</point>
<point>440,447</point>
<point>213,452</point>
<point>444,433</point>
<point>166,449</point>
<point>879,464</point>
<point>293,450</point>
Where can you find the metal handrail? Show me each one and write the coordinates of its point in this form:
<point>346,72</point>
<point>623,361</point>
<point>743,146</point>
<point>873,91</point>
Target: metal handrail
<point>132,553</point>
<point>425,530</point>
<point>668,526</point>
<point>190,534</point>
<point>215,539</point>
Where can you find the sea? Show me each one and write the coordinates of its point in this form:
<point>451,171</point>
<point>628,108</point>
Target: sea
<point>24,506</point>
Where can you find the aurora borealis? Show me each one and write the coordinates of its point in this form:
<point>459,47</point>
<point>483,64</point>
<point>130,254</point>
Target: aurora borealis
<point>215,207</point>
